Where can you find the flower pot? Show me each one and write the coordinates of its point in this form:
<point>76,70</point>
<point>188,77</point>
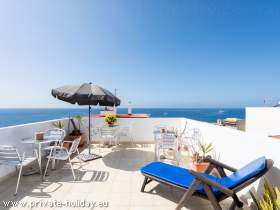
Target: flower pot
<point>200,166</point>
<point>66,145</point>
<point>110,124</point>
<point>39,136</point>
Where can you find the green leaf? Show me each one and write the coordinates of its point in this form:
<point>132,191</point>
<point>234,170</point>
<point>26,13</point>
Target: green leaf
<point>270,199</point>
<point>255,199</point>
<point>59,124</point>
<point>277,200</point>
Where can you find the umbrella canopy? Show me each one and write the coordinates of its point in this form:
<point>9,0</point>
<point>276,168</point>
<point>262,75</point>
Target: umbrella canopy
<point>86,94</point>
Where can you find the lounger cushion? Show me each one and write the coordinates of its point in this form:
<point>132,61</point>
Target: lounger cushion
<point>181,176</point>
<point>250,170</point>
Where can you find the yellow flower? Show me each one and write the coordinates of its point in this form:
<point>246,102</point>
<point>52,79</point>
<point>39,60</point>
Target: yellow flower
<point>110,118</point>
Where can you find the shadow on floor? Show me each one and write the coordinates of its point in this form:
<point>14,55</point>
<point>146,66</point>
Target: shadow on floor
<point>127,159</point>
<point>33,186</point>
<point>174,195</point>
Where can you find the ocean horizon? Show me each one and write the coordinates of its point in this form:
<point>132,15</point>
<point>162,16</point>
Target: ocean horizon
<point>17,116</point>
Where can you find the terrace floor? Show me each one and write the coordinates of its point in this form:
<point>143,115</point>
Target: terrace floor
<point>114,179</point>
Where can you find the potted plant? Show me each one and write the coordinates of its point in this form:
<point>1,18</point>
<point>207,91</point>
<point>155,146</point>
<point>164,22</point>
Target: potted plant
<point>76,133</point>
<point>59,124</point>
<point>270,198</point>
<point>199,153</point>
<point>110,119</point>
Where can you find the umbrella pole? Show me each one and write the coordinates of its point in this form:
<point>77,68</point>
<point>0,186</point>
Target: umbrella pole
<point>89,109</point>
<point>89,156</point>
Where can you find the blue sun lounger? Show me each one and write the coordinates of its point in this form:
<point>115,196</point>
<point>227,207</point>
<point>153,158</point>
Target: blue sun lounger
<point>204,185</point>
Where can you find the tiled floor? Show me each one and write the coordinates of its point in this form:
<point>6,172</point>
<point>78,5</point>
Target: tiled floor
<point>114,180</point>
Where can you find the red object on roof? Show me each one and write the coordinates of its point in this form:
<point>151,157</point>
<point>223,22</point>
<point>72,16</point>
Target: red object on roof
<point>275,137</point>
<point>128,115</point>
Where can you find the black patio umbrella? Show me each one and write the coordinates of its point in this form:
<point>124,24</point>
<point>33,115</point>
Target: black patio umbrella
<point>86,94</point>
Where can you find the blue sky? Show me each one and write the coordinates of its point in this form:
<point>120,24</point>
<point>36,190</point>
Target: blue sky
<point>157,53</point>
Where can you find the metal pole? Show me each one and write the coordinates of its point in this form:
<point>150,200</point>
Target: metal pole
<point>89,108</point>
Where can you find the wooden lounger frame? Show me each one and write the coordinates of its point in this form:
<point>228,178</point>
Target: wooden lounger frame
<point>207,185</point>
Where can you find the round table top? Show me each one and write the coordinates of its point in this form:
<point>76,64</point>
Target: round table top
<point>32,140</point>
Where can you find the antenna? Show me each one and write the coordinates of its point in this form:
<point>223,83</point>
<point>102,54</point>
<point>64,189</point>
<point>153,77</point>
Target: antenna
<point>116,91</point>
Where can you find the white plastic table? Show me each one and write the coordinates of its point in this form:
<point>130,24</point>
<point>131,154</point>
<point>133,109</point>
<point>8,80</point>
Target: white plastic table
<point>38,145</point>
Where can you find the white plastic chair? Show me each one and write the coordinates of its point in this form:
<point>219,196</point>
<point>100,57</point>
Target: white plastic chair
<point>108,134</point>
<point>194,135</point>
<point>61,153</point>
<point>55,136</point>
<point>125,131</point>
<point>95,137</point>
<point>157,131</point>
<point>56,133</point>
<point>9,155</point>
<point>168,141</point>
<point>95,133</point>
<point>191,139</point>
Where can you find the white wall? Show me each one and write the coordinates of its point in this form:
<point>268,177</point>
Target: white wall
<point>141,128</point>
<point>263,120</point>
<point>13,135</point>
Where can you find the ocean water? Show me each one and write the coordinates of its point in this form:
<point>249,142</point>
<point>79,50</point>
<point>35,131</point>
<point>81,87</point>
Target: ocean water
<point>9,117</point>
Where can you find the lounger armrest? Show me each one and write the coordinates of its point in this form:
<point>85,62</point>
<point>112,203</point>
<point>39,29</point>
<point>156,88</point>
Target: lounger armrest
<point>269,163</point>
<point>211,183</point>
<point>219,164</point>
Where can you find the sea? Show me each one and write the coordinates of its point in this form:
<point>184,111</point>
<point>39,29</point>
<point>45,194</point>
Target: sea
<point>10,117</point>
